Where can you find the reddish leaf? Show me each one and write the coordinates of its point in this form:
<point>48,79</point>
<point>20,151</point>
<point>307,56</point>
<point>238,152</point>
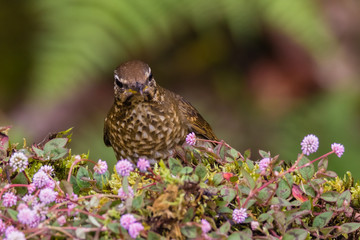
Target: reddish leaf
<point>298,194</point>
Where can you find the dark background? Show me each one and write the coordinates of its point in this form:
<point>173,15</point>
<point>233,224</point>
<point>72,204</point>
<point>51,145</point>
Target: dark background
<point>263,73</point>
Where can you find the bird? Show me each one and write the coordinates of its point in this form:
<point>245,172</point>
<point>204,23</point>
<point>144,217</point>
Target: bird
<point>146,120</point>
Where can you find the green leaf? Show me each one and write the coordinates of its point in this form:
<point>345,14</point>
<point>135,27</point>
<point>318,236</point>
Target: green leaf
<point>55,143</point>
<point>93,221</point>
<point>101,179</point>
<point>305,205</point>
<point>327,174</point>
<point>57,154</point>
<point>323,164</point>
<point>321,220</point>
<point>186,170</point>
<point>189,215</point>
<point>125,184</point>
<point>20,179</point>
<point>228,194</point>
<point>153,236</point>
<point>243,235</point>
<point>66,187</point>
<point>250,203</point>
<point>306,172</point>
<point>232,152</point>
<point>200,171</point>
<point>175,166</point>
<point>13,214</point>
<point>308,190</point>
<point>297,215</point>
<point>114,227</point>
<point>289,179</point>
<point>265,194</point>
<point>330,196</point>
<point>38,151</point>
<point>82,173</point>
<point>138,202</point>
<point>218,177</point>
<point>344,196</point>
<point>280,202</point>
<point>248,178</point>
<point>279,218</point>
<point>349,227</point>
<point>263,217</point>
<point>75,185</point>
<point>250,164</point>
<point>283,190</point>
<point>296,234</point>
<point>264,154</point>
<point>189,231</point>
<point>225,228</point>
<point>234,236</point>
<point>94,202</point>
<point>224,209</point>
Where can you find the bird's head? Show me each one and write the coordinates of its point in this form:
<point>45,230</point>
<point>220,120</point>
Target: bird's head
<point>133,80</point>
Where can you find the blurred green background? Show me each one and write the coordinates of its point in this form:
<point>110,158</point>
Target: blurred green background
<point>263,73</point>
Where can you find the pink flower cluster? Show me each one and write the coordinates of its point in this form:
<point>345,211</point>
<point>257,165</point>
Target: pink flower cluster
<point>123,195</point>
<point>124,167</point>
<point>128,221</point>
<point>143,164</point>
<point>32,208</point>
<point>310,144</point>
<point>191,139</point>
<point>101,167</point>
<point>239,215</point>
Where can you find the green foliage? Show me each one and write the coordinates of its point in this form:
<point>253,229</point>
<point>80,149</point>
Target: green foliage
<point>84,37</point>
<point>299,201</point>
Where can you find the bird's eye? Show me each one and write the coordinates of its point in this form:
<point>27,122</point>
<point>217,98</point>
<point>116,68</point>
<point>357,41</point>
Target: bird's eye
<point>150,78</point>
<point>117,81</point>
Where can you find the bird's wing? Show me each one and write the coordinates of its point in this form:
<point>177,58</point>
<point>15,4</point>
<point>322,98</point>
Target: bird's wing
<point>106,135</point>
<point>195,121</point>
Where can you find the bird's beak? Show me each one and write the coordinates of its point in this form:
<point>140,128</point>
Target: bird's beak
<point>139,87</point>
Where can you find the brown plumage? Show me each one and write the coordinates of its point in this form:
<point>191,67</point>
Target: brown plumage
<point>147,120</point>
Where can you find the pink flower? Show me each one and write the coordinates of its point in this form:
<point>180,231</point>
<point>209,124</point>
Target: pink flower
<point>18,161</point>
<point>31,188</point>
<point>126,220</point>
<point>135,229</point>
<point>191,139</point>
<point>30,199</point>
<point>254,225</point>
<point>2,227</point>
<point>27,216</point>
<point>239,215</point>
<point>309,144</point>
<point>143,164</point>
<point>124,167</point>
<point>123,195</point>
<point>9,199</point>
<point>9,230</point>
<point>61,220</point>
<point>101,167</point>
<point>338,149</point>
<point>264,164</point>
<point>47,169</point>
<point>41,179</point>
<point>47,195</point>
<point>15,235</point>
<point>205,226</point>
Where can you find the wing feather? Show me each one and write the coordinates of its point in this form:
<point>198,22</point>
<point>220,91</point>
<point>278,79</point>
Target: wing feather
<point>196,122</point>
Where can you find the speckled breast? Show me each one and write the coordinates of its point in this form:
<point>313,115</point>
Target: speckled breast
<point>147,130</point>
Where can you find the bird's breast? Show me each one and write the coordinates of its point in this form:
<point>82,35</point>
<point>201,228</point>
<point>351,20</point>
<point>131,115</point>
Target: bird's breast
<point>148,130</point>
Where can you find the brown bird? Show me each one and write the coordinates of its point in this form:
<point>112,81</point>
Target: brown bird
<point>147,120</point>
